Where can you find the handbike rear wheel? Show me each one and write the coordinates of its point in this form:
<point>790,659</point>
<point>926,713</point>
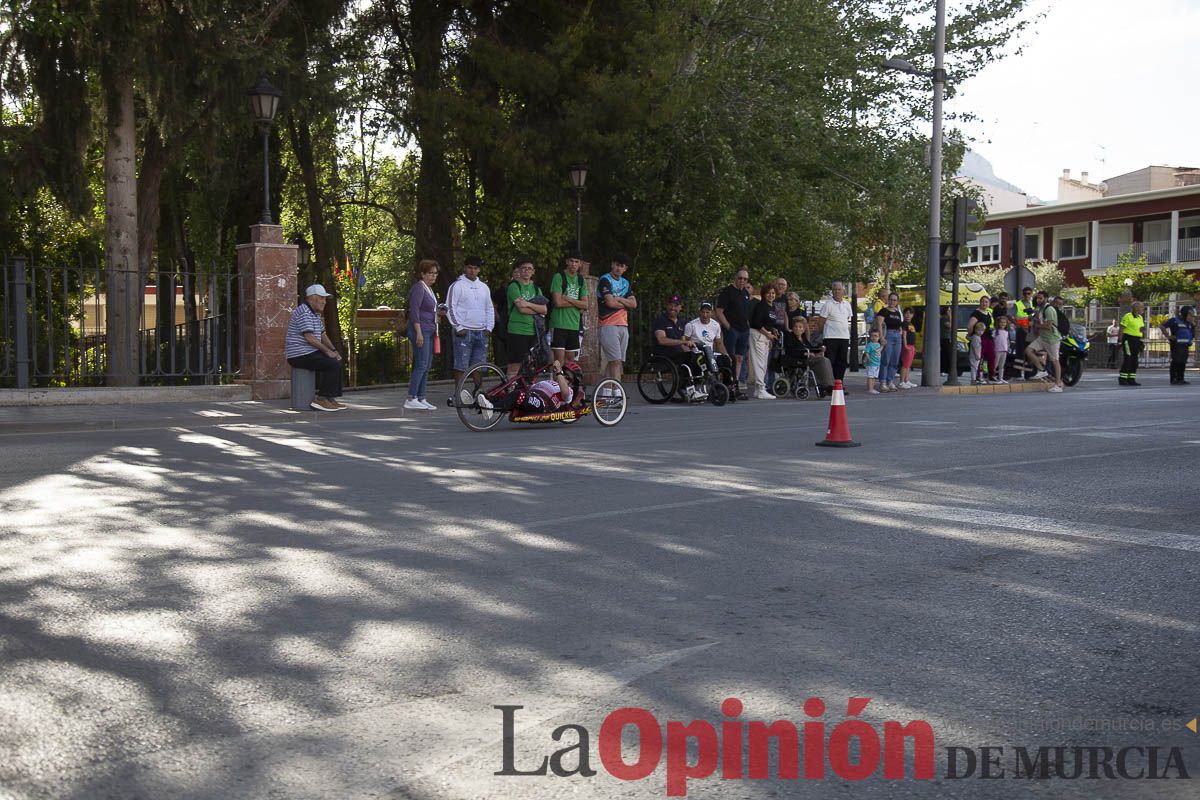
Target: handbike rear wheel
<point>609,402</point>
<point>658,379</point>
<point>469,398</point>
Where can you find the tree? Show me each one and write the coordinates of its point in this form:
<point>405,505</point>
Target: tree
<point>1135,275</point>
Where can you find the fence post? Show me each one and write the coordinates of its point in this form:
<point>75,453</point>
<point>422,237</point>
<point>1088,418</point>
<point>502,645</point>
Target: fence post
<point>21,317</point>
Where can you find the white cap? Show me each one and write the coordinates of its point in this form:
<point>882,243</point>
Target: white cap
<point>316,289</point>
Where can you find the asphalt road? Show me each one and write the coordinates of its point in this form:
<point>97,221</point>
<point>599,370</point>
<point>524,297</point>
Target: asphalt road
<point>332,606</point>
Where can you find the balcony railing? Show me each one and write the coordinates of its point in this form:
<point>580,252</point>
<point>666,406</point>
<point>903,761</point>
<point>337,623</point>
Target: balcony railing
<point>1155,252</point>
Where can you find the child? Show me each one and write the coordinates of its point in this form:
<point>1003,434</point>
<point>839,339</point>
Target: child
<point>975,346</point>
<point>871,353</point>
<point>909,349</point>
<point>1000,340</point>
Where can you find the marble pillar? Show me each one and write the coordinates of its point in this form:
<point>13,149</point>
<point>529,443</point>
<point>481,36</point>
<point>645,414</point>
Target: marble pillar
<point>267,272</point>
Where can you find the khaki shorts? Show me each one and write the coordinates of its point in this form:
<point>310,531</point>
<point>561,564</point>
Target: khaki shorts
<point>1040,345</point>
<point>614,340</point>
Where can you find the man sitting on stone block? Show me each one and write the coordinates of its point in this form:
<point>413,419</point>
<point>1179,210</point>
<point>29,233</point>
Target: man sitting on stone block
<point>307,347</point>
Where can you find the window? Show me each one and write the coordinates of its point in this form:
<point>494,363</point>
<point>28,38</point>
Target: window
<point>1033,246</point>
<point>1070,241</point>
<point>984,249</point>
<point>1189,227</point>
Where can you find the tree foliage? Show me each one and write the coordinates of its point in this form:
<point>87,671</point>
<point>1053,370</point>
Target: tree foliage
<point>1135,275</point>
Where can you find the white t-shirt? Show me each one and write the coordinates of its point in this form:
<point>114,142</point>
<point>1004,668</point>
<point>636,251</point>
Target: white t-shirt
<point>837,318</point>
<point>697,331</point>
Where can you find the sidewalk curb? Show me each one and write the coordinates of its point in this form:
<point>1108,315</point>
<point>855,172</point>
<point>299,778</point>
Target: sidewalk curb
<point>1003,388</point>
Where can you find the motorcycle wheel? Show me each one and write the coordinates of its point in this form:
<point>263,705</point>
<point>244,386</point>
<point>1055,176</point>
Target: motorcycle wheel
<point>1072,371</point>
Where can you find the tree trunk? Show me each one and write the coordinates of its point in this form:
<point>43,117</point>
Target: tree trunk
<point>323,249</point>
<point>435,191</point>
<point>122,291</point>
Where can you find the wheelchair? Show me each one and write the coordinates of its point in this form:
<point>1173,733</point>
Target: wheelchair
<point>794,376</point>
<point>708,375</point>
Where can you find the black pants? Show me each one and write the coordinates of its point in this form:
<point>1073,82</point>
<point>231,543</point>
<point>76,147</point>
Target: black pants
<point>1113,349</point>
<point>1129,364</point>
<point>329,372</point>
<point>1179,355</point>
<point>499,348</point>
<point>838,353</point>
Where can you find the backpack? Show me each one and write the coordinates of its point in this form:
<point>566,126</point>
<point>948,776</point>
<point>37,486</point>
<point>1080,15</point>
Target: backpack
<point>500,304</point>
<point>1064,323</point>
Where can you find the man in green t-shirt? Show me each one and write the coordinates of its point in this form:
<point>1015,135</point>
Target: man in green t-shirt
<point>521,333</point>
<point>568,291</point>
<point>1043,351</point>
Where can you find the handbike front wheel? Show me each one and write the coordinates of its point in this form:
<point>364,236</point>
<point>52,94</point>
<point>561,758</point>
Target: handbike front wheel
<point>474,409</point>
<point>609,402</point>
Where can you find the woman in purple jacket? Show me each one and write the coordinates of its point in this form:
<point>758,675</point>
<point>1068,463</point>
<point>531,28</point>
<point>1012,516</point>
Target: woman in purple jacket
<point>422,330</point>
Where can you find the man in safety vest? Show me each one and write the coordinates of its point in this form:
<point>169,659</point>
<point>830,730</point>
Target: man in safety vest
<point>1022,314</point>
<point>1133,327</point>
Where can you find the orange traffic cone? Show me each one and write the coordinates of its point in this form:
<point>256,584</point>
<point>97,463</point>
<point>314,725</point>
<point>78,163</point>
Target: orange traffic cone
<point>838,434</point>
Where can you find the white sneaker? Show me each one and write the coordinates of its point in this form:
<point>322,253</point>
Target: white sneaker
<point>1056,388</point>
<point>1002,381</point>
<point>764,395</point>
<point>428,406</point>
<point>413,404</point>
<point>872,391</point>
<point>690,392</point>
<point>908,385</point>
<point>1040,374</point>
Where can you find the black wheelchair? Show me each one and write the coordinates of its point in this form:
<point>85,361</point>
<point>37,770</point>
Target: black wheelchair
<point>691,378</point>
<point>794,376</point>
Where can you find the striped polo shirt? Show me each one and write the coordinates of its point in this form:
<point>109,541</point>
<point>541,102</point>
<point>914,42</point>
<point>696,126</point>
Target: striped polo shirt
<point>303,320</point>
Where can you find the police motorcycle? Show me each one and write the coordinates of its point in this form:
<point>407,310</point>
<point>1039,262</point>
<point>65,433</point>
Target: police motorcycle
<point>1072,354</point>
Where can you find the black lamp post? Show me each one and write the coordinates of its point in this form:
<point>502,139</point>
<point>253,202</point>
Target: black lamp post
<point>578,175</point>
<point>265,100</point>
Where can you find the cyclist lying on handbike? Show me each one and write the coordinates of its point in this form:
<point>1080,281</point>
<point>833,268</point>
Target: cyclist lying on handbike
<point>554,393</point>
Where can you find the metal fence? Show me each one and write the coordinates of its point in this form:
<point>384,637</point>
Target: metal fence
<point>184,323</point>
<point>1157,349</point>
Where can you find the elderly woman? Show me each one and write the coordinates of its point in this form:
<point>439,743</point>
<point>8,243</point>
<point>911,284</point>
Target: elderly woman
<point>795,311</point>
<point>764,331</point>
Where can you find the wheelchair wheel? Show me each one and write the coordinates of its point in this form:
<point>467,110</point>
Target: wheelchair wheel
<point>469,400</point>
<point>609,402</point>
<point>801,392</point>
<point>780,387</point>
<point>718,394</point>
<point>658,379</point>
<point>725,377</point>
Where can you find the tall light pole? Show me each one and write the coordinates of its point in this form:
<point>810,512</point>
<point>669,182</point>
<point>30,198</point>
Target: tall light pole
<point>265,100</point>
<point>578,176</point>
<point>931,353</point>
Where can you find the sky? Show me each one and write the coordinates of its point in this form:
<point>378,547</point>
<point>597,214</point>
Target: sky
<point>1106,86</point>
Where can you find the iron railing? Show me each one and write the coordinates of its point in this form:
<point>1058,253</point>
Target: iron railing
<point>54,324</point>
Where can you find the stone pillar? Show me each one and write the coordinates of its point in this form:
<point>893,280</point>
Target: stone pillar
<point>267,272</point>
<point>589,350</point>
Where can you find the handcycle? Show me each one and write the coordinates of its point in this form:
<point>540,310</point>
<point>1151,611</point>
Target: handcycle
<point>708,373</point>
<point>484,395</point>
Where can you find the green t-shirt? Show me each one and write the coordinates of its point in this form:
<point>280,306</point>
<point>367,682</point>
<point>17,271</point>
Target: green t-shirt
<point>567,317</point>
<point>518,322</point>
<point>1051,334</point>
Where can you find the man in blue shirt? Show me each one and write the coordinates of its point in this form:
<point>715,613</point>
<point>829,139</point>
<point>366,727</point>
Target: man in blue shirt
<point>307,346</point>
<point>1181,331</point>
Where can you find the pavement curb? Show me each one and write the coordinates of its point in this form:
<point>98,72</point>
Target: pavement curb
<point>102,395</point>
<point>1003,388</point>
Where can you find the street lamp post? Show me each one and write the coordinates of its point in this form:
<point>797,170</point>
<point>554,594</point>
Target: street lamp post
<point>931,353</point>
<point>578,176</point>
<point>265,100</point>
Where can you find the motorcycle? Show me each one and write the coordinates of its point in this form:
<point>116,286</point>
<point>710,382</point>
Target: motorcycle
<point>1072,353</point>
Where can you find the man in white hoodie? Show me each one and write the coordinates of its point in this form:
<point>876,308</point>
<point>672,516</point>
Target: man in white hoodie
<point>469,308</point>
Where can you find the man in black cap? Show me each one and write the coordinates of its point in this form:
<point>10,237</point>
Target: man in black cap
<point>615,299</point>
<point>672,343</point>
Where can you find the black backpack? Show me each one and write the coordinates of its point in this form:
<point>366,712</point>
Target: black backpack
<point>1064,323</point>
<point>500,305</point>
